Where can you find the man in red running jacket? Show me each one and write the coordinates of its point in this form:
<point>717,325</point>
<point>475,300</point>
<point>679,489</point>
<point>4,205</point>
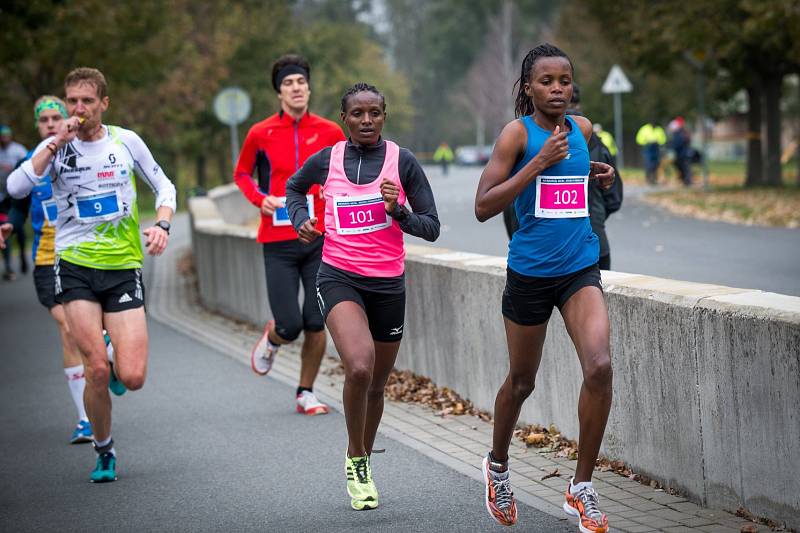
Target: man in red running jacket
<point>274,149</point>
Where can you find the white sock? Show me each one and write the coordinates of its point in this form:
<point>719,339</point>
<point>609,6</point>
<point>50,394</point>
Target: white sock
<point>77,382</point>
<point>110,352</point>
<point>573,489</point>
<point>273,346</point>
<point>105,442</point>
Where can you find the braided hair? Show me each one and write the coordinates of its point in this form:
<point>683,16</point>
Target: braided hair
<point>523,104</point>
<point>359,88</point>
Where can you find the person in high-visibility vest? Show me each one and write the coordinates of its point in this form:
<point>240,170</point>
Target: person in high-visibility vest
<point>444,156</point>
<point>607,139</point>
<point>651,138</point>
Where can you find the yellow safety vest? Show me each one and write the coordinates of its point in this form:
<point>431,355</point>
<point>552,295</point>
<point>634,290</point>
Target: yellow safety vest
<point>608,140</point>
<point>649,134</point>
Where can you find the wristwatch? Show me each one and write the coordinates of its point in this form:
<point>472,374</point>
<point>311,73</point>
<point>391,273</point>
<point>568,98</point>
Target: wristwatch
<point>163,224</point>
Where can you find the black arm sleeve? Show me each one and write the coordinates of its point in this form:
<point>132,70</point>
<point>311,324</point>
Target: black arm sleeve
<point>423,222</point>
<point>313,172</point>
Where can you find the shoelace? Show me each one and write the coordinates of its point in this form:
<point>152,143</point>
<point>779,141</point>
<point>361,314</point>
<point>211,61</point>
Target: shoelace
<point>361,470</point>
<point>105,460</point>
<point>590,501</point>
<point>503,494</point>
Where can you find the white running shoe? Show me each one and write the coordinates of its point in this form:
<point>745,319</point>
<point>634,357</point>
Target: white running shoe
<point>308,404</point>
<point>263,354</point>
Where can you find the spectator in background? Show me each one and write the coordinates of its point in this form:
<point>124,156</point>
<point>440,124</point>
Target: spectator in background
<point>608,141</point>
<point>681,145</point>
<point>444,156</point>
<point>11,153</point>
<point>651,138</point>
<point>602,202</point>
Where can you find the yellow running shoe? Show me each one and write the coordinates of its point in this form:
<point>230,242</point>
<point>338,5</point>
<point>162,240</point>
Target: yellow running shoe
<point>360,487</point>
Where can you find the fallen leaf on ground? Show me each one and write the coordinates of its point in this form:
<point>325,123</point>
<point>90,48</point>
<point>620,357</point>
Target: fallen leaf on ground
<point>554,473</point>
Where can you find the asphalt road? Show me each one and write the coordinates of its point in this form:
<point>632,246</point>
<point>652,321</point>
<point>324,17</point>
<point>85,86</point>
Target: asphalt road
<point>644,240</point>
<point>205,446</point>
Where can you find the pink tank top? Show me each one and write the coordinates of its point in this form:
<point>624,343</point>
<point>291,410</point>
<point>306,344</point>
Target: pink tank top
<point>359,236</point>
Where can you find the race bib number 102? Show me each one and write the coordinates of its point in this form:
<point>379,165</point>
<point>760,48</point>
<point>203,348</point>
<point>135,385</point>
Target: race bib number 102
<point>561,196</point>
<point>359,214</point>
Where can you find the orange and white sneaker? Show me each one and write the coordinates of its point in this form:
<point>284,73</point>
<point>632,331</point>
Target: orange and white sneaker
<point>583,506</point>
<point>263,354</point>
<point>308,404</point>
<point>499,499</point>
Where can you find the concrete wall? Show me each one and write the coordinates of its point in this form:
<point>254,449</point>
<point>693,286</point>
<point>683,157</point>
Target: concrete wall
<point>706,378</point>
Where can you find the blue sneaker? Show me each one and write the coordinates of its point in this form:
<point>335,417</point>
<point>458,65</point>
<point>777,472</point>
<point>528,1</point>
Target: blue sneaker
<point>106,469</point>
<point>82,433</point>
<point>116,386</point>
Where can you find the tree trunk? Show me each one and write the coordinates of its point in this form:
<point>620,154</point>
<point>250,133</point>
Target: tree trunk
<point>797,159</point>
<point>224,169</point>
<point>202,180</point>
<point>755,162</point>
<point>772,97</point>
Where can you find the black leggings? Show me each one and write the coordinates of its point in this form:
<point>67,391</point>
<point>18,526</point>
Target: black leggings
<point>286,263</point>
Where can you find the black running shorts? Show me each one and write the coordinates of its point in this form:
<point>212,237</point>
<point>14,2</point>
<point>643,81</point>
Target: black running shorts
<point>529,301</point>
<point>386,313</point>
<point>44,279</point>
<point>114,290</point>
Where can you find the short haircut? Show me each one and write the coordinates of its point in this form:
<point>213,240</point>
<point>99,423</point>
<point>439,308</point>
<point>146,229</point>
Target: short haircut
<point>88,75</point>
<point>286,61</point>
<point>361,87</point>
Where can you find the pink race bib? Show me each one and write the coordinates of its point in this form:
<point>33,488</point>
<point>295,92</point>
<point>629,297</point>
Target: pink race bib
<point>359,214</point>
<point>561,196</point>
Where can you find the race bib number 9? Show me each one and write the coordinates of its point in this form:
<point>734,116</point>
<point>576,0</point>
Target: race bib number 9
<point>280,217</point>
<point>561,196</point>
<point>98,207</point>
<point>359,214</point>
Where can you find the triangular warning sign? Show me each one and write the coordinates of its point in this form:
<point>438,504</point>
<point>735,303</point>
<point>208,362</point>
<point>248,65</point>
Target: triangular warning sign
<point>616,82</point>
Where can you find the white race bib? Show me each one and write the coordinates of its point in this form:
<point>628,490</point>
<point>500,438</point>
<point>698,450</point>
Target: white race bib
<point>360,214</point>
<point>280,217</point>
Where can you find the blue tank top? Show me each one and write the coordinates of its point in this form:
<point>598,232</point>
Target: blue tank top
<point>549,247</point>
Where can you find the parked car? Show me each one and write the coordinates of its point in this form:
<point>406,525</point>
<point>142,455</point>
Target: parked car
<point>473,154</point>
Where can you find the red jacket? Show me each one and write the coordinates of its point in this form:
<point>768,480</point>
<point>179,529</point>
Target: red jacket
<point>276,148</point>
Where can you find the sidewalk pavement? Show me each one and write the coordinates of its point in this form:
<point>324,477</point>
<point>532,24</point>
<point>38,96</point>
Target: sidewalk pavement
<point>459,442</point>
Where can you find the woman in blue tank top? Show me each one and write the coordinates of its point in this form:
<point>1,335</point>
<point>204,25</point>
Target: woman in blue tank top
<point>541,164</point>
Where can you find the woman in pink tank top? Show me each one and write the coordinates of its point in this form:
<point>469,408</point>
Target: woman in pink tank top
<point>366,182</point>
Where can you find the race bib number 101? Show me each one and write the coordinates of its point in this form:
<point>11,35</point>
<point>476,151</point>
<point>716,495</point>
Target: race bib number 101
<point>359,214</point>
<point>561,196</point>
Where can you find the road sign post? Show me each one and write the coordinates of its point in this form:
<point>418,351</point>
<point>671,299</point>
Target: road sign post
<point>617,83</point>
<point>232,107</point>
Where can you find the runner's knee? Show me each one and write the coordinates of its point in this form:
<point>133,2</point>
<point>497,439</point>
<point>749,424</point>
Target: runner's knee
<point>522,386</point>
<point>598,374</point>
<point>289,330</point>
<point>360,373</point>
<point>375,394</point>
<point>97,373</point>
<point>134,381</point>
<point>314,325</point>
